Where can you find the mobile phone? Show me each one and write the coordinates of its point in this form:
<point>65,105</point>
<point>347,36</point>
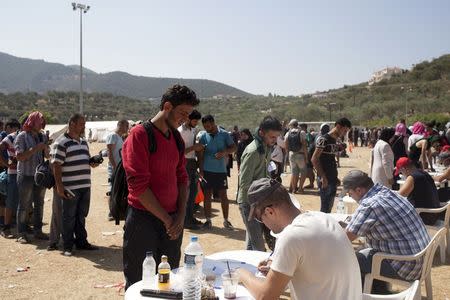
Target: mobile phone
<point>69,193</point>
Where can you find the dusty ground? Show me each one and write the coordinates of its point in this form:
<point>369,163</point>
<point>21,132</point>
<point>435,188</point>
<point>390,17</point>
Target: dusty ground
<point>53,276</point>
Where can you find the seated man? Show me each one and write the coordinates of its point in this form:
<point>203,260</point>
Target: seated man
<point>444,159</point>
<point>389,223</point>
<point>419,188</point>
<point>312,253</point>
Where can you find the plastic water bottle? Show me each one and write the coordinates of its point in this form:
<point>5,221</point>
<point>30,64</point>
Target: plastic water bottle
<point>340,208</point>
<point>193,261</point>
<point>148,271</point>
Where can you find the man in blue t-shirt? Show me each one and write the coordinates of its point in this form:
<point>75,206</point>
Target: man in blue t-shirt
<point>212,161</point>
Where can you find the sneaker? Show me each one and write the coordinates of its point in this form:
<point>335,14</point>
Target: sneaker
<point>23,239</point>
<point>191,226</point>
<point>87,246</point>
<point>197,222</point>
<point>67,252</point>
<point>52,247</point>
<point>41,236</point>
<point>6,233</point>
<point>207,225</point>
<point>227,224</point>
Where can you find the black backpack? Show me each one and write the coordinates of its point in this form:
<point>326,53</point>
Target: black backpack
<point>119,187</point>
<point>294,141</point>
<point>43,175</point>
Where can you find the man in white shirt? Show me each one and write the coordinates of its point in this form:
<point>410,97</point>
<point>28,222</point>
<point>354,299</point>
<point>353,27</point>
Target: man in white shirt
<point>188,132</point>
<point>312,254</point>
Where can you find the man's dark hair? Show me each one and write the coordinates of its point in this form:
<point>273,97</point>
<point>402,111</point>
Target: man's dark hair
<point>179,94</point>
<point>13,123</point>
<point>386,134</point>
<point>304,126</point>
<point>270,123</point>
<point>402,121</point>
<point>195,115</point>
<point>75,118</point>
<point>207,119</point>
<point>344,122</point>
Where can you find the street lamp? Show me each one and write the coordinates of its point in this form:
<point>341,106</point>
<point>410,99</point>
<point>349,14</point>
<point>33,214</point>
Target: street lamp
<point>83,9</point>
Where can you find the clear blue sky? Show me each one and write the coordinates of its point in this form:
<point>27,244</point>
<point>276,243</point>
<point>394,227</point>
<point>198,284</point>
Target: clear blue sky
<point>283,47</point>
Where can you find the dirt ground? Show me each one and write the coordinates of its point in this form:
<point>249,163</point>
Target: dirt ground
<point>93,274</point>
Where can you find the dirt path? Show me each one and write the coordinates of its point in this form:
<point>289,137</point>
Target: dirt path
<point>53,276</point>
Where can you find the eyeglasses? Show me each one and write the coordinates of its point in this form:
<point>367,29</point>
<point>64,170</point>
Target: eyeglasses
<point>258,219</point>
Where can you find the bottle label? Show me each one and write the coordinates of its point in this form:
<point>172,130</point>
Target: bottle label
<point>189,259</point>
<point>163,277</point>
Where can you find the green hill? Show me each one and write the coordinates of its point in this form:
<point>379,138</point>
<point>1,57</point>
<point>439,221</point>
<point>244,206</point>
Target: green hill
<point>23,75</point>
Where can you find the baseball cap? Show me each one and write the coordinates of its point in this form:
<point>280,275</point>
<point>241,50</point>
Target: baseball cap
<point>446,148</point>
<point>401,163</point>
<point>259,192</point>
<point>354,179</point>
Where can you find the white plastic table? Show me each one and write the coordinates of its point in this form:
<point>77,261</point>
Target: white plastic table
<point>216,263</point>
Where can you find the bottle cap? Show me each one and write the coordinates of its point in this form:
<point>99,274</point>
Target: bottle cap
<point>164,258</point>
<point>149,253</point>
<point>194,238</point>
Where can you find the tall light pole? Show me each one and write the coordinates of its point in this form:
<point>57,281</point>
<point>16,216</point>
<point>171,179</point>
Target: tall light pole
<point>83,9</point>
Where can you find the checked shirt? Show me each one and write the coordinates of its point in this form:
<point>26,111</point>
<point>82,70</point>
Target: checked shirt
<point>391,224</point>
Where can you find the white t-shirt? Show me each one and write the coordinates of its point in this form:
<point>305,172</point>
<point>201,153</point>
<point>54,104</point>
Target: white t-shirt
<point>413,138</point>
<point>277,154</point>
<point>188,135</point>
<point>315,251</point>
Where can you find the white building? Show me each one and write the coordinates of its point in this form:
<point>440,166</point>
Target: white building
<point>385,73</point>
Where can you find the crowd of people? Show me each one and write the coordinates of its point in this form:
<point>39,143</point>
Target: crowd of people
<point>167,159</point>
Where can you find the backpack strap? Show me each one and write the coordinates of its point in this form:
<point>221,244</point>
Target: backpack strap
<point>151,136</point>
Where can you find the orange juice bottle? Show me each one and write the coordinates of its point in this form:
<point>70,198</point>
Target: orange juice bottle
<point>164,274</point>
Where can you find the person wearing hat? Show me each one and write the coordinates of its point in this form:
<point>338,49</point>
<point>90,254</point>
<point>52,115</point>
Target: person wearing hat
<point>390,224</point>
<point>324,161</point>
<point>312,255</point>
<point>419,188</point>
<point>296,146</point>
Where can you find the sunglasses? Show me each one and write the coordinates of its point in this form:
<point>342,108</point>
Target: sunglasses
<point>258,219</point>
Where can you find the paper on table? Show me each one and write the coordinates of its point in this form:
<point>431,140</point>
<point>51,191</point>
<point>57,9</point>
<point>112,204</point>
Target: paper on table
<point>217,267</point>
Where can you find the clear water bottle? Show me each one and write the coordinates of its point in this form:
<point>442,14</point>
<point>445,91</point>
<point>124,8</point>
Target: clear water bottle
<point>340,208</point>
<point>148,271</point>
<point>193,261</point>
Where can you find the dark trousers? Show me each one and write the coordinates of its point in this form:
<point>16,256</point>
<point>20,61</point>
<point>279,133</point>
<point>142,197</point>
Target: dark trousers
<point>191,168</point>
<point>74,213</point>
<point>145,232</point>
<point>31,198</point>
<point>327,196</point>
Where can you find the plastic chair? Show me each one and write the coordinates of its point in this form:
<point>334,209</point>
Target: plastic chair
<point>412,293</point>
<point>444,246</point>
<point>427,254</point>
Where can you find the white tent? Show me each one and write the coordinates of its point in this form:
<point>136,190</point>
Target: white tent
<point>95,131</point>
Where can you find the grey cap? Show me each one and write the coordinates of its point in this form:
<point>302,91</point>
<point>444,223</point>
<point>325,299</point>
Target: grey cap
<point>259,191</point>
<point>354,179</point>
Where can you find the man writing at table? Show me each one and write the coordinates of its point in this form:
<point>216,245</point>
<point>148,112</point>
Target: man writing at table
<point>312,253</point>
<point>389,223</point>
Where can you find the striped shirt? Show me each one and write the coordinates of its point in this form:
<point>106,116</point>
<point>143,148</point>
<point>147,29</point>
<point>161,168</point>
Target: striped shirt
<point>23,142</point>
<point>73,155</point>
<point>391,224</point>
<point>8,142</point>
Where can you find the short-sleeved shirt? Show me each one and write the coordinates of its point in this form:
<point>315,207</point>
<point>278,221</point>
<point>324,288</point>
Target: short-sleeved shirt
<point>328,156</point>
<point>73,155</point>
<point>215,143</point>
<point>23,142</point>
<point>391,224</point>
<point>8,142</point>
<point>188,135</point>
<point>115,139</point>
<point>316,253</point>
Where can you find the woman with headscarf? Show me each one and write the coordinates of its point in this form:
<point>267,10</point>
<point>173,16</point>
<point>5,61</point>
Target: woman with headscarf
<point>383,159</point>
<point>418,133</point>
<point>246,138</point>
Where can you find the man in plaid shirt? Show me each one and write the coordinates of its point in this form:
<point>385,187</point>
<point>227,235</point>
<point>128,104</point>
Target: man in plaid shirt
<point>389,223</point>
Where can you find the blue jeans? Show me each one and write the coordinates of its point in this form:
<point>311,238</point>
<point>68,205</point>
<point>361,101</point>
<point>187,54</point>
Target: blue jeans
<point>327,196</point>
<point>74,213</point>
<point>31,197</point>
<point>192,173</point>
<point>12,199</point>
<point>254,239</point>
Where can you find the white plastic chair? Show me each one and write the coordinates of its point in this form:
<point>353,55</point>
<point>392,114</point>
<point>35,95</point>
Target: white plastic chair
<point>412,293</point>
<point>444,246</point>
<point>427,254</point>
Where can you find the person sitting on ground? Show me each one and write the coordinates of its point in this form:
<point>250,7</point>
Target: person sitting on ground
<point>419,188</point>
<point>312,253</point>
<point>381,218</point>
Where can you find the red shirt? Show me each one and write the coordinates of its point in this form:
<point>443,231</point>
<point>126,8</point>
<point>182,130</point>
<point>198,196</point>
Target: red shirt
<point>161,171</point>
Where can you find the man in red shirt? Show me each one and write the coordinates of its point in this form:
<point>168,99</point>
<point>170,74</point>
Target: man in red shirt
<point>157,186</point>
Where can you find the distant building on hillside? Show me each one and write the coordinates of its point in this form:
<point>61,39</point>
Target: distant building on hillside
<point>385,73</point>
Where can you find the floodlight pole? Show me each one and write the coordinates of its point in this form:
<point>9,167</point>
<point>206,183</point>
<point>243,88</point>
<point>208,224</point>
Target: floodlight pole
<point>83,9</point>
